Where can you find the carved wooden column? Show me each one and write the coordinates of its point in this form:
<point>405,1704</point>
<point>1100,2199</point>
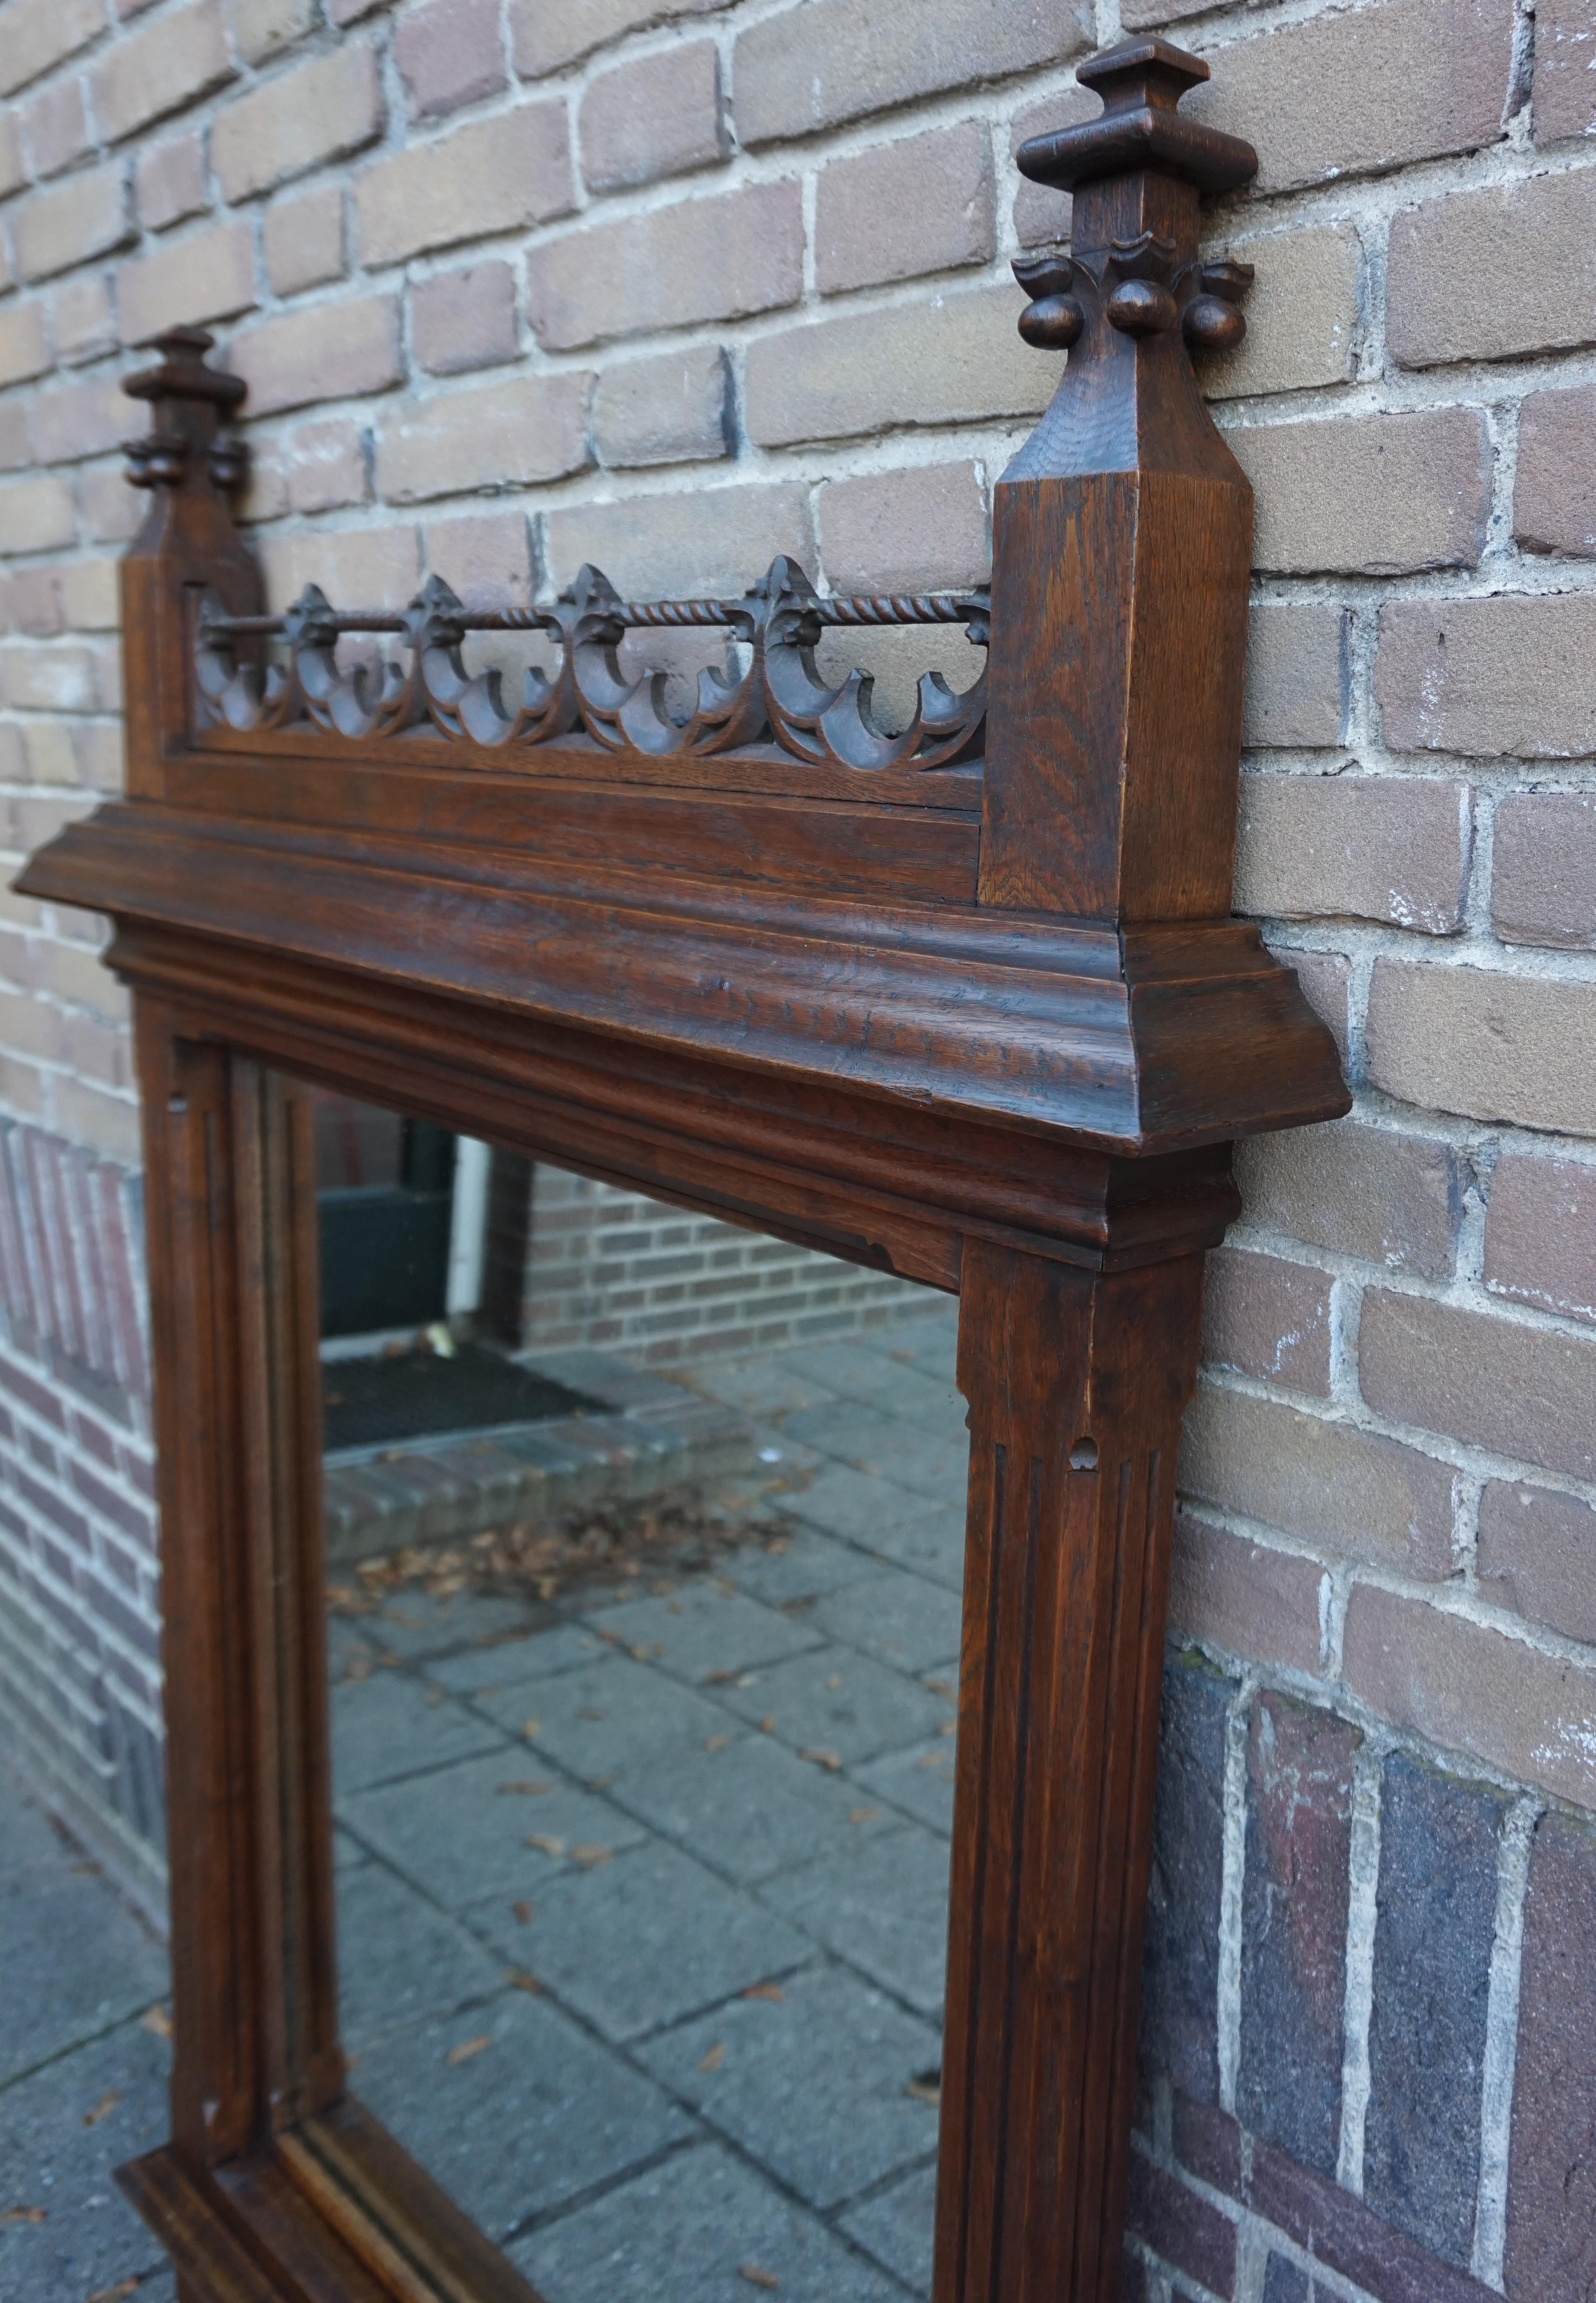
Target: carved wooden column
<point>1122,537</point>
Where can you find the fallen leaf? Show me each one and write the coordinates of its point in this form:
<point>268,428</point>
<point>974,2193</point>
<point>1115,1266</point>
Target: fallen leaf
<point>765,1991</point>
<point>156,2020</point>
<point>723,1678</point>
<point>591,1854</point>
<point>940,1687</point>
<point>931,1759</point>
<point>106,2104</point>
<point>834,1683</point>
<point>532,1730</point>
<point>587,1711</point>
<point>949,1727</point>
<point>716,1743</point>
<point>826,1760</point>
<point>467,2048</point>
<point>716,2057</point>
<point>432,1696</point>
<point>767,1725</point>
<point>529,1787</point>
<point>23,2215</point>
<point>115,2294</point>
<point>756,2277</point>
<point>926,2088</point>
<point>598,1782</point>
<point>522,1981</point>
<point>864,1814</point>
<point>544,1845</point>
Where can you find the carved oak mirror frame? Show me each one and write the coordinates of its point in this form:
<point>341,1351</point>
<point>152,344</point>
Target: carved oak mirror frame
<point>967,1004</point>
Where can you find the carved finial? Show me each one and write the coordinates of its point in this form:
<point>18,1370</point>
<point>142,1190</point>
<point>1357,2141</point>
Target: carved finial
<point>1141,83</point>
<point>187,398</point>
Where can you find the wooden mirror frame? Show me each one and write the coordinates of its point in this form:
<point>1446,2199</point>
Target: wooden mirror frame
<point>971,1009</point>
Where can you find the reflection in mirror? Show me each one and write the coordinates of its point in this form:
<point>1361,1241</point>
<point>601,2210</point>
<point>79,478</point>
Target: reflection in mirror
<point>645,1540</point>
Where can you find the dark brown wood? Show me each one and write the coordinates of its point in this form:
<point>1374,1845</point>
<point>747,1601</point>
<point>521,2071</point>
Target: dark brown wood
<point>986,1023</point>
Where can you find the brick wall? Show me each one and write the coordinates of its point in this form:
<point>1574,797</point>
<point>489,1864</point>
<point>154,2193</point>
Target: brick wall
<point>672,286</point>
<point>611,1269</point>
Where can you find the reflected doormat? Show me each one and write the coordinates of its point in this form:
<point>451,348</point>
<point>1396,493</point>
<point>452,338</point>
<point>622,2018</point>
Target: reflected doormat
<point>407,1395</point>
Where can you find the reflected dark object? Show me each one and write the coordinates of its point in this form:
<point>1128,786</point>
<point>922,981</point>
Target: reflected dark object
<point>404,1395</point>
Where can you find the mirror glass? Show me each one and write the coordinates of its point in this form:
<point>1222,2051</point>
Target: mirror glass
<point>644,1538</point>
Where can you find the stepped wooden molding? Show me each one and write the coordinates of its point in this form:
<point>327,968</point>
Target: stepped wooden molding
<point>962,1000</point>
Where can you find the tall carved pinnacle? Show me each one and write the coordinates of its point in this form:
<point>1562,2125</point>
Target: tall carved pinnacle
<point>187,398</point>
<point>1110,788</point>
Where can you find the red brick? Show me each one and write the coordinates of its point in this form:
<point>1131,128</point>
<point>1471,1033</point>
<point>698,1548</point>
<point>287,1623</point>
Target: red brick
<point>486,557</point>
<point>39,33</point>
<point>35,514</point>
<point>1524,1392</point>
<point>1181,2227</point>
<point>851,374</point>
<point>1326,1483</point>
<point>82,324</point>
<point>1540,1233</point>
<point>909,530</point>
<point>327,466</point>
<point>1489,1045</point>
<point>302,237</point>
<point>1564,104</point>
<point>449,53</point>
<point>85,215</point>
<point>1486,274</point>
<point>652,116</point>
<point>370,567</point>
<point>672,408</point>
<point>168,63</point>
<point>1040,215</point>
<point>208,274</point>
<point>1363,89</point>
<point>169,181</point>
<point>485,176</point>
<point>266,28</point>
<point>1468,1688</point>
<point>533,429</point>
<point>823,61</point>
<point>321,109</point>
<point>1296,678</point>
<point>1326,980</point>
<point>1392,1199</point>
<point>13,172</point>
<point>58,129</point>
<point>1303,314</point>
<point>1552,2187</point>
<point>699,541</point>
<point>549,34</point>
<point>1537,1555</point>
<point>1507,676</point>
<point>24,350</point>
<point>717,258</point>
<point>1268,1318</point>
<point>1543,870</point>
<point>1374,848</point>
<point>325,351</point>
<point>919,203</point>
<point>1375,495</point>
<point>89,417</point>
<point>1554,488</point>
<point>1296,1879</point>
<point>465,319</point>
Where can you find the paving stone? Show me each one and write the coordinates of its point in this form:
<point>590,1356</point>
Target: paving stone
<point>647,1940</point>
<point>751,1809</point>
<point>930,1541</point>
<point>614,1716</point>
<point>384,1726</point>
<point>702,1630</point>
<point>540,2114</point>
<point>91,2238</point>
<point>920,1781</point>
<point>852,1503</point>
<point>836,1699</point>
<point>508,1663</point>
<point>872,1442</point>
<point>806,1564</point>
<point>460,1838</point>
<point>686,2229</point>
<point>906,1621</point>
<point>763,1384</point>
<point>812,2087</point>
<point>26,1835</point>
<point>881,1904</point>
<point>400,1960</point>
<point>1435,1926</point>
<point>855,1370</point>
<point>898,2227</point>
<point>412,1625</point>
<point>76,1961</point>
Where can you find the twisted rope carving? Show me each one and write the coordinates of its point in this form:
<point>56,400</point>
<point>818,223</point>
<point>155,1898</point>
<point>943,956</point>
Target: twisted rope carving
<point>779,699</point>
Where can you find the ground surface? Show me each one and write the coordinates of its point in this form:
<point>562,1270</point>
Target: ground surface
<point>707,1821</point>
